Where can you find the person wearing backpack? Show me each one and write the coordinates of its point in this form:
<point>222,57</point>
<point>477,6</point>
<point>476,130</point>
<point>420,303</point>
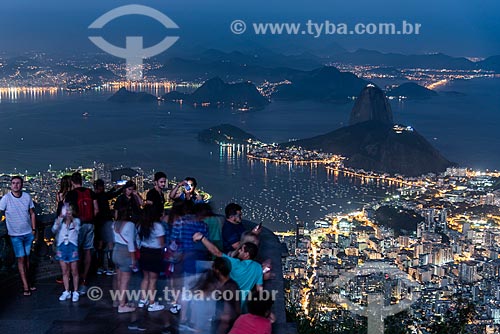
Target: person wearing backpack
<point>85,201</point>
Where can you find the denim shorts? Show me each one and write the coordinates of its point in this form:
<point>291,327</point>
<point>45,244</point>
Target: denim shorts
<point>86,236</point>
<point>121,258</point>
<point>67,253</point>
<point>22,244</point>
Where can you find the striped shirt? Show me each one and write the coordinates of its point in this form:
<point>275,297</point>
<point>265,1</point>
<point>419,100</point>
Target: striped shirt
<point>183,230</point>
<point>17,214</point>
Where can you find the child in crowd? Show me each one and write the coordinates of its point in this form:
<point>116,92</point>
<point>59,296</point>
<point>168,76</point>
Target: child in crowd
<point>66,228</point>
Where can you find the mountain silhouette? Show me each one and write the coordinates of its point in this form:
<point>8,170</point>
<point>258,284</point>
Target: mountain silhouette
<point>125,96</point>
<point>412,91</point>
<point>325,84</point>
<point>430,61</point>
<point>225,133</point>
<point>371,105</point>
<point>373,142</point>
<point>216,92</point>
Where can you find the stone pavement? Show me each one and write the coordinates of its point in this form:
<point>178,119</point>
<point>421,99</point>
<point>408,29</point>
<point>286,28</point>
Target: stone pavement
<point>42,312</point>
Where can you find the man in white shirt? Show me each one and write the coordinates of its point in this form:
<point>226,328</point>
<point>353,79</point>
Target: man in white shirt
<point>20,218</point>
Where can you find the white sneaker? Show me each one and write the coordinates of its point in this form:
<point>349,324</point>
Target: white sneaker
<point>142,303</point>
<point>65,295</point>
<point>175,308</point>
<point>155,307</point>
<point>76,296</point>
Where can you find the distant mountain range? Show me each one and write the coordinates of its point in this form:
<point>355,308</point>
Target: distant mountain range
<point>491,63</point>
<point>198,70</point>
<point>225,133</point>
<point>267,65</point>
<point>428,61</point>
<point>216,92</point>
<point>256,65</point>
<point>125,96</point>
<point>326,84</point>
<point>263,57</point>
<point>412,91</point>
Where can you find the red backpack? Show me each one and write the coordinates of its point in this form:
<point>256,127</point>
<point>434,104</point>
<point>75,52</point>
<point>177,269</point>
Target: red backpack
<point>85,205</point>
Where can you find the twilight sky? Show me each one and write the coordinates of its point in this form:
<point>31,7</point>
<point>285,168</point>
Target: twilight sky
<point>455,27</point>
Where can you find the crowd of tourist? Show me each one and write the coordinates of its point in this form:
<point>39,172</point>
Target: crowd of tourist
<point>119,233</point>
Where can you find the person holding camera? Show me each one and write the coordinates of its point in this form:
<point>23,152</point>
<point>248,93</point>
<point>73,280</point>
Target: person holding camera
<point>67,227</point>
<point>186,191</point>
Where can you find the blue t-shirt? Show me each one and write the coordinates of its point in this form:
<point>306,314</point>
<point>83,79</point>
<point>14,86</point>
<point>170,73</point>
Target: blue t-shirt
<point>246,273</point>
<point>231,233</point>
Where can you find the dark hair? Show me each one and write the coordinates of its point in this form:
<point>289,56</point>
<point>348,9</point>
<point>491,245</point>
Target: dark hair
<point>176,211</point>
<point>129,184</point>
<point>98,183</point>
<point>76,178</point>
<point>123,214</point>
<point>251,249</point>
<point>257,305</point>
<point>17,177</point>
<point>159,175</point>
<point>146,223</point>
<point>74,210</point>
<point>188,207</point>
<point>222,265</point>
<point>231,209</point>
<point>203,210</point>
<point>193,180</point>
<point>65,186</point>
